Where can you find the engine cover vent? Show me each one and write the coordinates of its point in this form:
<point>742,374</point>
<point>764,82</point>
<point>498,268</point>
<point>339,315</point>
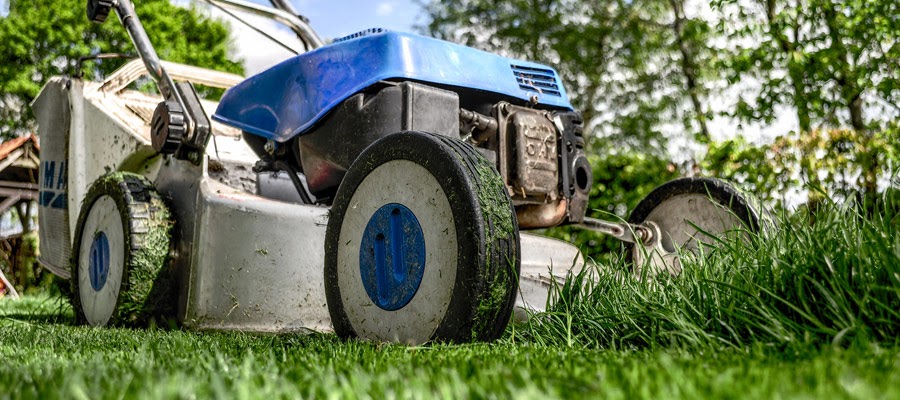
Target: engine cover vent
<point>367,32</point>
<point>540,80</point>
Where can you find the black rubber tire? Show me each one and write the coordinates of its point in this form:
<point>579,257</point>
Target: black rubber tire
<point>147,289</point>
<point>745,207</point>
<point>487,235</point>
<point>719,190</point>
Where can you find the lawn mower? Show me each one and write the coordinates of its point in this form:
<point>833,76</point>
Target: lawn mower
<point>378,186</point>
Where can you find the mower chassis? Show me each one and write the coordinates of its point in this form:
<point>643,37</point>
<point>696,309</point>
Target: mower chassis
<point>245,273</point>
<point>248,263</point>
<point>243,262</point>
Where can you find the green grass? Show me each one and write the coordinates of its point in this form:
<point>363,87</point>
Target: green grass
<point>809,311</point>
<point>48,359</point>
<point>832,278</point>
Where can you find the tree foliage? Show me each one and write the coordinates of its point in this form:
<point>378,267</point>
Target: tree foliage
<point>828,60</point>
<point>44,38</point>
<point>650,75</point>
<point>835,63</point>
<point>826,163</point>
<point>631,67</point>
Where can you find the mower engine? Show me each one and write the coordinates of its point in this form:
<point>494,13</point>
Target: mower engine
<point>539,153</point>
<point>317,112</point>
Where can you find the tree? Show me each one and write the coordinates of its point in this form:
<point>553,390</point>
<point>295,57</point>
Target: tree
<point>824,58</point>
<point>828,163</point>
<point>829,60</point>
<point>636,68</point>
<point>44,38</point>
<point>633,68</point>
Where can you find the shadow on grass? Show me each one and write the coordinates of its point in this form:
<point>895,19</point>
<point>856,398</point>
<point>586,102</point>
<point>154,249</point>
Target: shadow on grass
<point>37,309</point>
<point>40,318</point>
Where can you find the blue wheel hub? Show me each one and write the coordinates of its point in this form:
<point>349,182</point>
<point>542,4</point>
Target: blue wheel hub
<point>392,256</point>
<point>98,270</point>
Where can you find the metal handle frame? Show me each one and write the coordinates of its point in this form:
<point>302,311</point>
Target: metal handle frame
<point>646,234</point>
<point>197,123</point>
<point>283,13</point>
<point>145,49</point>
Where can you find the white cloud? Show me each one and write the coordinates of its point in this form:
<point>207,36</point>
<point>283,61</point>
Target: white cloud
<point>384,9</point>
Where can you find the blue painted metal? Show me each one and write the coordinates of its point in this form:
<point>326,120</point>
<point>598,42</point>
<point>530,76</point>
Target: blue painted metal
<point>291,97</point>
<point>98,268</point>
<point>392,256</point>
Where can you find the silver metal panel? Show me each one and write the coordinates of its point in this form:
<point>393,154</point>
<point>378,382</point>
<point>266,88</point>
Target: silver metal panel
<point>545,264</point>
<point>258,264</point>
<point>52,112</point>
<point>179,184</point>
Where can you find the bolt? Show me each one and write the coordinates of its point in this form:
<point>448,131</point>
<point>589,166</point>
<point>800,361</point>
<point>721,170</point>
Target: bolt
<point>269,146</point>
<point>644,234</point>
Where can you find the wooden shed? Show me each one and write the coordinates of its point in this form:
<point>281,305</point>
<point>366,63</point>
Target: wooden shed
<point>19,169</point>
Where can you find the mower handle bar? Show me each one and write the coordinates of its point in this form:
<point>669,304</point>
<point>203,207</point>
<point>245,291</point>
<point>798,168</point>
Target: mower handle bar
<point>145,49</point>
<point>196,123</point>
<point>134,69</point>
<point>283,13</point>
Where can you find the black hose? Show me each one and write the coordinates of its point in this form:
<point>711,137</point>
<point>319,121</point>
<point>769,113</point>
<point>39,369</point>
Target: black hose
<point>292,173</point>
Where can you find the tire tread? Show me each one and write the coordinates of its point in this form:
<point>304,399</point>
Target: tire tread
<point>146,291</point>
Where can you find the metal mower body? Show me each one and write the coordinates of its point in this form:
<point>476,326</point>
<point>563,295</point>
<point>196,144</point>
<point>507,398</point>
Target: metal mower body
<point>243,261</point>
<point>242,255</point>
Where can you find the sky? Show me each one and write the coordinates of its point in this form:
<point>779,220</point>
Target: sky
<point>330,18</point>
<point>336,18</point>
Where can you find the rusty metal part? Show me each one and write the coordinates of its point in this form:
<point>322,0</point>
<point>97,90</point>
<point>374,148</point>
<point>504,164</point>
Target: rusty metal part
<point>536,164</point>
<point>481,127</point>
<point>644,234</point>
<point>528,159</point>
<point>533,216</point>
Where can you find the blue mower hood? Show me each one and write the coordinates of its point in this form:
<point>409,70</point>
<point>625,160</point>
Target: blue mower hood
<point>289,98</point>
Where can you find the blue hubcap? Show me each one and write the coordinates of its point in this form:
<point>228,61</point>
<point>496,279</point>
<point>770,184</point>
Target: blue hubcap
<point>99,261</point>
<point>392,256</point>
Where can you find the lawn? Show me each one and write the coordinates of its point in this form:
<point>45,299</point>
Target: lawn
<point>809,310</point>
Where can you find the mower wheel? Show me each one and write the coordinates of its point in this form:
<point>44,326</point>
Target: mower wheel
<point>422,244</point>
<point>690,213</point>
<point>119,274</point>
